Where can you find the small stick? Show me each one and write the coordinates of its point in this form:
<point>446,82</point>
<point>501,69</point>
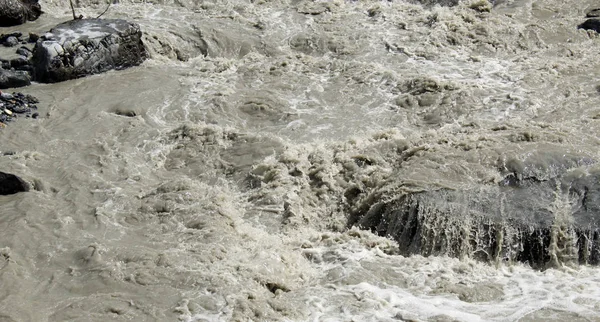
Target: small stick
<point>73,9</point>
<point>103,12</point>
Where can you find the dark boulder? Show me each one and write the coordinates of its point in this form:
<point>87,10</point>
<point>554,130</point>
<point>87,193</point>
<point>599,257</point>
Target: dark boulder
<point>20,63</point>
<point>11,184</point>
<point>11,39</point>
<point>14,78</point>
<point>590,24</point>
<point>546,212</point>
<point>16,12</point>
<point>87,46</point>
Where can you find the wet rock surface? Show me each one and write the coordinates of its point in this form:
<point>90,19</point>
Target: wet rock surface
<point>16,12</point>
<point>591,24</point>
<point>11,184</point>
<point>545,212</point>
<point>13,78</point>
<point>84,47</point>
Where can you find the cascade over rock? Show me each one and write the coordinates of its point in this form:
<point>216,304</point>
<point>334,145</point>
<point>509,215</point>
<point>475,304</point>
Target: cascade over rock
<point>546,212</point>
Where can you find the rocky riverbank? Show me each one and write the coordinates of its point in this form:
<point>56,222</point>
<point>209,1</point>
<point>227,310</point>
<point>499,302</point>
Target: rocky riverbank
<point>70,50</point>
<point>17,104</point>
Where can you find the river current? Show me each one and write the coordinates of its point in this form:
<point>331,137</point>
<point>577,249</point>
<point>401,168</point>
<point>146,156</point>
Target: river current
<point>214,182</point>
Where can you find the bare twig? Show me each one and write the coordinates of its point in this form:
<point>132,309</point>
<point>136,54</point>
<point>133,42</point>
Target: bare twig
<point>75,17</point>
<point>105,10</point>
<point>73,9</point>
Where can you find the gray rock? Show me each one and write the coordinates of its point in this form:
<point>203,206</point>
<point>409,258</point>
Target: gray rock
<point>20,63</point>
<point>16,12</point>
<point>546,212</point>
<point>11,41</point>
<point>87,46</point>
<point>11,184</point>
<point>14,78</point>
<point>24,51</point>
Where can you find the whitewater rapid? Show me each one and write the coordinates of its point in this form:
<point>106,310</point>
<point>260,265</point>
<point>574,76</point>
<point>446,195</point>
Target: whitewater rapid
<point>215,181</point>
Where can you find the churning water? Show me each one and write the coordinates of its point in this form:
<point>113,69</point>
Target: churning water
<point>293,160</point>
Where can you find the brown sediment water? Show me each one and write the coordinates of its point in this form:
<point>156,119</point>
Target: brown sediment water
<point>313,161</point>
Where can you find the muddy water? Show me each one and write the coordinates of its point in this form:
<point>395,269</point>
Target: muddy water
<point>214,182</point>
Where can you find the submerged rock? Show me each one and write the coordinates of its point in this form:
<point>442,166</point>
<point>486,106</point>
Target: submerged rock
<point>13,78</point>
<point>443,3</point>
<point>16,12</point>
<point>87,46</point>
<point>546,212</point>
<point>592,13</point>
<point>11,184</point>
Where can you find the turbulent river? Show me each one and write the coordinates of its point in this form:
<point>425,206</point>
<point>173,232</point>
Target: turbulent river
<point>255,166</point>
